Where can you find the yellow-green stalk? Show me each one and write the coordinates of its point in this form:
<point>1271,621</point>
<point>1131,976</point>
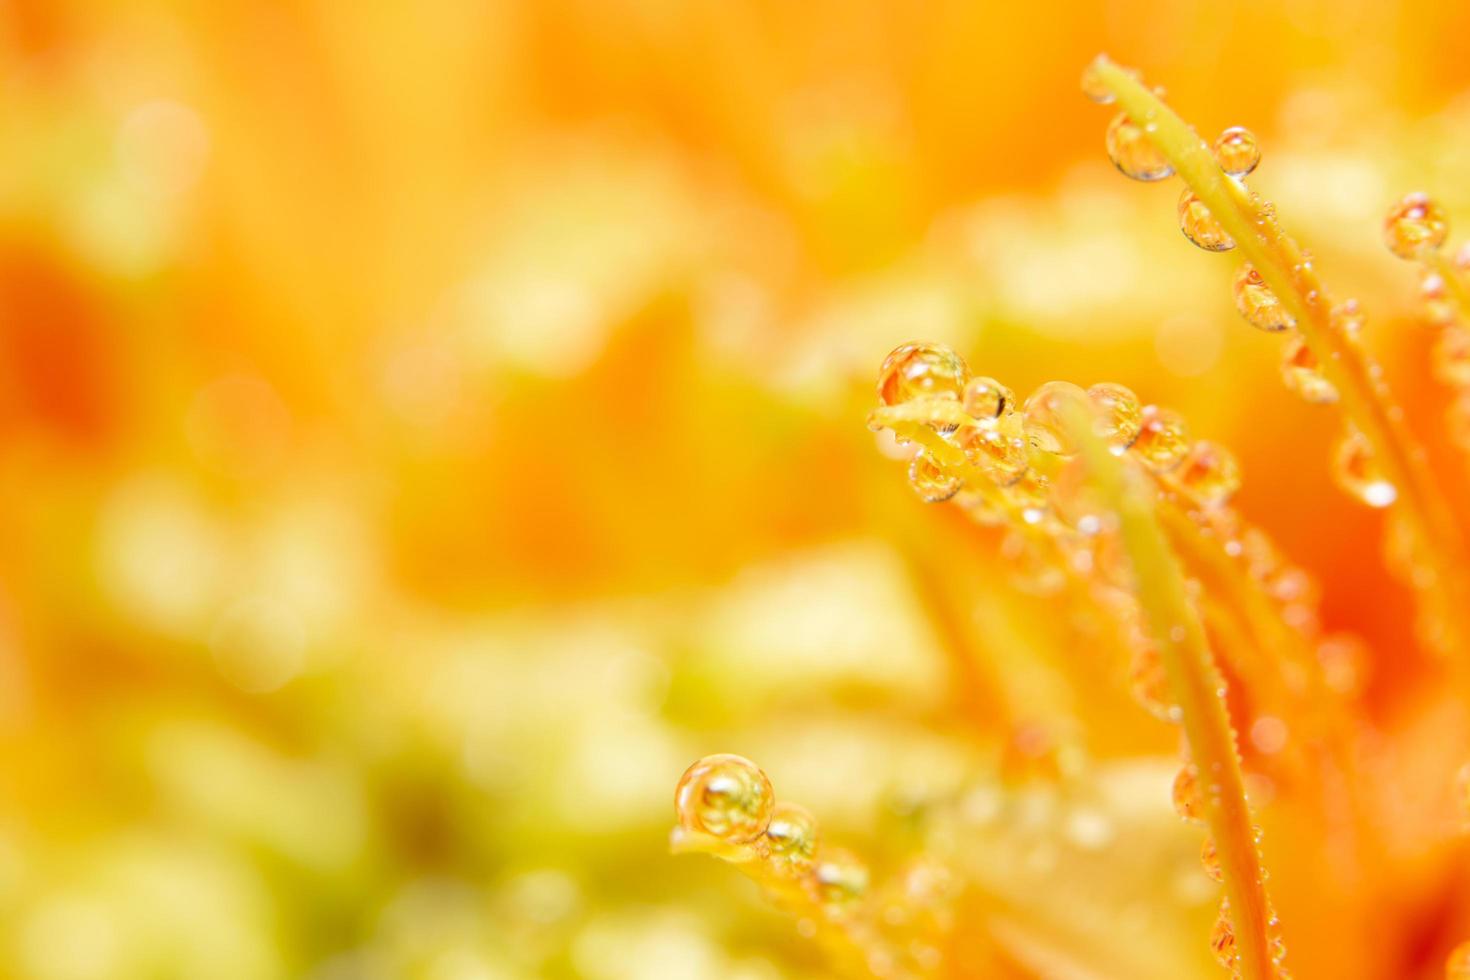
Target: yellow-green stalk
<point>1196,684</point>
<point>1290,276</point>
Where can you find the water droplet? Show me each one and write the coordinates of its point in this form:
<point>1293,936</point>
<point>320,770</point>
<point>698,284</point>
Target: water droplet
<point>1451,356</point>
<point>841,877</point>
<point>792,835</point>
<point>1256,302</point>
<point>930,480</point>
<point>725,796</point>
<point>1275,942</point>
<point>1457,966</point>
<point>999,454</point>
<point>1222,937</point>
<point>1209,858</point>
<point>1133,153</point>
<point>1189,801</point>
<point>1046,420</point>
<point>1237,152</point>
<point>1093,87</point>
<point>1302,373</point>
<point>1163,438</point>
<point>987,400</point>
<point>1356,471</point>
<point>1119,413</point>
<point>1199,226</point>
<point>1210,473</point>
<point>1415,226</point>
<point>921,371</point>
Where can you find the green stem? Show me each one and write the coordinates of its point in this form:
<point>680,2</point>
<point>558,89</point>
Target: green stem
<point>1289,274</point>
<point>1176,629</point>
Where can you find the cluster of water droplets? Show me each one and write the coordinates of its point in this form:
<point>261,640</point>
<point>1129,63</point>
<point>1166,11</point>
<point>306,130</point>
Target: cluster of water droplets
<point>1193,795</point>
<point>725,805</point>
<point>1015,463</point>
<point>1237,153</point>
<point>1019,468</point>
<point>1338,662</point>
<point>1415,229</point>
<point>1198,477</point>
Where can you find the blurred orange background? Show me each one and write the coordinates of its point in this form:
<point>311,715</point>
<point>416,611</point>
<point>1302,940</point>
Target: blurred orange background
<point>426,428</point>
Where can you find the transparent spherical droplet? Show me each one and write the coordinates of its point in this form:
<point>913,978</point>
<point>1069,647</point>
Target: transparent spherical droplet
<point>1256,302</point>
<point>921,371</point>
<point>1209,859</point>
<point>1356,471</point>
<point>931,481</point>
<point>1000,454</point>
<point>1210,473</point>
<point>792,835</point>
<point>1415,226</point>
<point>1093,87</point>
<point>1302,373</point>
<point>988,400</point>
<point>1189,801</point>
<point>1451,357</point>
<point>841,877</point>
<point>1457,965</point>
<point>1118,413</point>
<point>1163,438</point>
<point>1199,226</point>
<point>1046,417</point>
<point>1133,153</point>
<point>1222,938</point>
<point>725,796</point>
<point>1237,152</point>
